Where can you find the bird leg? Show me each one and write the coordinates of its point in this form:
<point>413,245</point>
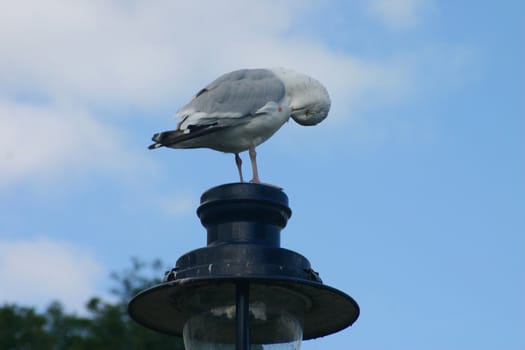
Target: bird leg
<point>256,180</point>
<point>253,159</point>
<point>238,162</point>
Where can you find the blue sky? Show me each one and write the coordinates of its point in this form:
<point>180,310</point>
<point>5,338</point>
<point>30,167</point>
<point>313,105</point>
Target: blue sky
<point>410,196</point>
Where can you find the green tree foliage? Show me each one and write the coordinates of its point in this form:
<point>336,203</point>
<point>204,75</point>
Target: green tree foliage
<point>107,325</point>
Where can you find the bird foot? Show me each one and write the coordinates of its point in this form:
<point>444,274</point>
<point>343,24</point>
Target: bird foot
<point>266,184</point>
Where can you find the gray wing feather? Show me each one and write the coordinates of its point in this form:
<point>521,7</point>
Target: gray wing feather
<point>231,99</point>
<point>235,94</point>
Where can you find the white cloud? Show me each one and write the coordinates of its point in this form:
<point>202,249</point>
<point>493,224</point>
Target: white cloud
<point>400,14</point>
<point>145,53</point>
<point>39,271</point>
<point>135,52</point>
<point>90,54</point>
<point>44,141</point>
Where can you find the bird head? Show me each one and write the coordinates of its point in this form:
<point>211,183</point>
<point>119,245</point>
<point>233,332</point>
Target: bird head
<point>311,113</point>
<point>308,99</point>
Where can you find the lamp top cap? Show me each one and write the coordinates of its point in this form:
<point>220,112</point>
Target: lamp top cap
<point>245,191</point>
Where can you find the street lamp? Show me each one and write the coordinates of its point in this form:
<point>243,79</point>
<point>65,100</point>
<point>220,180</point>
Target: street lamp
<point>243,291</point>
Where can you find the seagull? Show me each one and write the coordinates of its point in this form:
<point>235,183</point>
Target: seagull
<point>242,109</point>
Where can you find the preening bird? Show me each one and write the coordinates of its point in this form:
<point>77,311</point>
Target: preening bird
<point>242,109</point>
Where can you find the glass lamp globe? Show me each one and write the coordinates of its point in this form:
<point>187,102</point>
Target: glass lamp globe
<point>270,329</point>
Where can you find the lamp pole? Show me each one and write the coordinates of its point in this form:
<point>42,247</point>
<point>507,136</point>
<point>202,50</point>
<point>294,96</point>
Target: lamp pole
<point>242,314</point>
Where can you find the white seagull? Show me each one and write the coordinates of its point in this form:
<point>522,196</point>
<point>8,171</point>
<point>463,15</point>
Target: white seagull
<point>242,109</point>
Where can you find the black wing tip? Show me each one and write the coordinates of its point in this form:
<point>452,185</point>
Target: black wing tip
<point>157,139</point>
<point>155,146</point>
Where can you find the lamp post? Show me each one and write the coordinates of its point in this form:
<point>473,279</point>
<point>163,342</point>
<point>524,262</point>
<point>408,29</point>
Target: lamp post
<point>243,291</point>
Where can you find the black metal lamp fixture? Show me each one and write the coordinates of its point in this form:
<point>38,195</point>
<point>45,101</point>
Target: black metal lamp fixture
<point>243,291</point>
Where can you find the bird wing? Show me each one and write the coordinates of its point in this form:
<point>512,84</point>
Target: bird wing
<point>230,98</point>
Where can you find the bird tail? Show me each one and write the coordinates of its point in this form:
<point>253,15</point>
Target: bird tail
<point>165,139</point>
